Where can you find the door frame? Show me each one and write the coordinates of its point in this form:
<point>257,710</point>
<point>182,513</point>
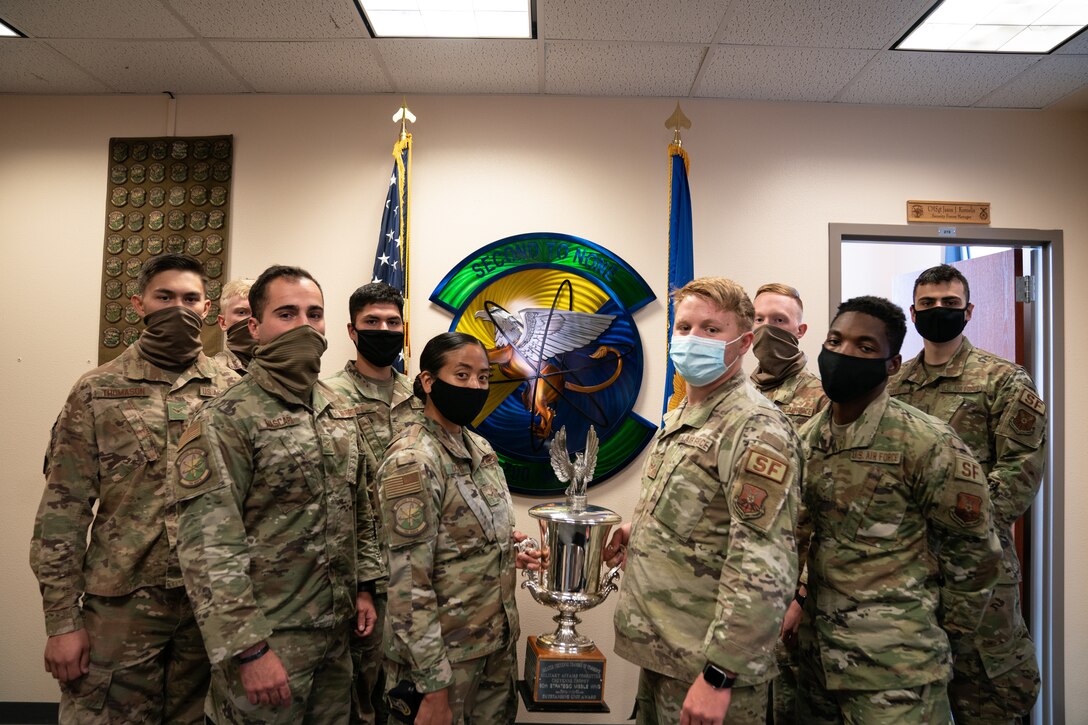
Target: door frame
<point>1046,362</point>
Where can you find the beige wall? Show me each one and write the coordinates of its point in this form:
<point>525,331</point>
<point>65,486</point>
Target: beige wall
<point>310,177</point>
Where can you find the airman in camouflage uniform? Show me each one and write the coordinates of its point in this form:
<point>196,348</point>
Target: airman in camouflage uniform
<point>784,380</point>
<point>452,622</point>
<point>381,400</point>
<point>271,483</point>
<point>134,652</point>
<point>711,560</point>
<point>902,558</point>
<point>233,321</point>
<point>993,406</point>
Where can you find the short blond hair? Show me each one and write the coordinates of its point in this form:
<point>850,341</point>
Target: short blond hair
<point>236,288</point>
<point>725,293</point>
<point>779,288</point>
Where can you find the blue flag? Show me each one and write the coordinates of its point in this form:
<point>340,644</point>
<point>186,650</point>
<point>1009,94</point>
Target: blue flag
<point>681,261</point>
<point>391,257</point>
<point>956,254</point>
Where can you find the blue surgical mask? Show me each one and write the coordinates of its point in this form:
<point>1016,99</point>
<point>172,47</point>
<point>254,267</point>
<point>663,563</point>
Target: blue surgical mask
<point>700,360</point>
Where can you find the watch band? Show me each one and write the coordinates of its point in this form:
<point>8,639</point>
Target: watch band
<point>716,677</point>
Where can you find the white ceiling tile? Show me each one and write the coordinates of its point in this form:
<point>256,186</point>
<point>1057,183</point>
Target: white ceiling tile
<point>871,24</point>
<point>147,66</point>
<point>779,74</point>
<point>93,19</point>
<point>691,21</point>
<point>461,66</point>
<point>933,79</point>
<point>272,19</point>
<point>620,69</point>
<point>1048,81</point>
<point>331,66</point>
<point>30,66</point>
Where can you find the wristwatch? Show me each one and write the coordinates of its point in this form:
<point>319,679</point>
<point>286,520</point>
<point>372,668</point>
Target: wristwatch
<point>717,678</point>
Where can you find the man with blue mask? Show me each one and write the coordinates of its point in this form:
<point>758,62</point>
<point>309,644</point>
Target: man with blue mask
<point>710,555</point>
<point>903,557</point>
<point>993,406</point>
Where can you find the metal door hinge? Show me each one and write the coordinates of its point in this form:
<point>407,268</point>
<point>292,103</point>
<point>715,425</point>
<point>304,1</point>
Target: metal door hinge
<point>1025,288</point>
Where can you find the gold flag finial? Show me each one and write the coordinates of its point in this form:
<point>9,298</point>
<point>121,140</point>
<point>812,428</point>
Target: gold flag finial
<point>405,116</point>
<point>675,122</point>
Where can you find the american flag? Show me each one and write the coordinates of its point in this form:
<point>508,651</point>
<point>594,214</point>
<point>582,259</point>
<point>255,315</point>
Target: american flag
<point>391,257</point>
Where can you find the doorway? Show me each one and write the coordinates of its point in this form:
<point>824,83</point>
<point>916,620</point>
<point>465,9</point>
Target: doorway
<point>876,259</point>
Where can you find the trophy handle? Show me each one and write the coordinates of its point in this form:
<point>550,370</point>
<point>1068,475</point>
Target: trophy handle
<point>609,584</point>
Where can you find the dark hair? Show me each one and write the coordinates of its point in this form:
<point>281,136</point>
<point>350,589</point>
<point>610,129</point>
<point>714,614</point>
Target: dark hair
<point>942,273</point>
<point>435,353</point>
<point>895,322</point>
<point>168,262</point>
<point>373,293</point>
<point>258,293</point>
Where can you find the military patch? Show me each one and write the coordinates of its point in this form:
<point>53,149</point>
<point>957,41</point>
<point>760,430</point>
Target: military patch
<point>489,460</point>
<point>1032,400</point>
<point>409,517</point>
<point>766,465</point>
<point>1024,421</point>
<point>968,509</point>
<point>282,421</point>
<point>703,443</point>
<point>805,409</point>
<point>890,457</point>
<point>968,469</point>
<point>750,501</point>
<point>193,468</point>
<point>191,434</point>
<point>653,465</point>
<point>402,484</point>
<point>177,410</point>
<point>208,391</point>
<point>136,392</point>
<point>960,388</point>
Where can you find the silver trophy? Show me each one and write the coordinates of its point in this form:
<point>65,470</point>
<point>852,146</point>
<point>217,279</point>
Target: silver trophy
<point>573,535</point>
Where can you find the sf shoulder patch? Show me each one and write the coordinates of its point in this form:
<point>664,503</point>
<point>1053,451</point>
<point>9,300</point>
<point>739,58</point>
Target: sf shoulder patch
<point>766,465</point>
<point>751,501</point>
<point>968,510</point>
<point>760,487</point>
<point>409,518</point>
<point>193,468</point>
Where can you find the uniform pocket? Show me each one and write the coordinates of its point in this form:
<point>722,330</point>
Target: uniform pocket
<point>89,692</point>
<point>880,521</point>
<point>287,464</point>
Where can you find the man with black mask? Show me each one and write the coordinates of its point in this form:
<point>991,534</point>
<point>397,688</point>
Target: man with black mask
<point>993,406</point>
<point>123,642</point>
<point>903,556</point>
<point>383,404</point>
<point>276,556</point>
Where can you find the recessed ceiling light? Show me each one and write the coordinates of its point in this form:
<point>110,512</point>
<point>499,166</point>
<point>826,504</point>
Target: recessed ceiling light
<point>6,31</point>
<point>997,26</point>
<point>447,18</point>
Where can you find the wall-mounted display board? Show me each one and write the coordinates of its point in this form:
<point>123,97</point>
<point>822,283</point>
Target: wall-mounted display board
<point>167,194</point>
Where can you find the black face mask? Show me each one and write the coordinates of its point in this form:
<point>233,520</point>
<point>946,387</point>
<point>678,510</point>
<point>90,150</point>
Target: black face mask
<point>940,324</point>
<point>380,348</point>
<point>846,377</point>
<point>458,405</point>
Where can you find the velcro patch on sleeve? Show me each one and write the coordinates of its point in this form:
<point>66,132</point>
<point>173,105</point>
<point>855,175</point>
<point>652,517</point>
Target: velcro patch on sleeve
<point>968,509</point>
<point>402,484</point>
<point>766,464</point>
<point>191,433</point>
<point>1033,401</point>
<point>1023,420</point>
<point>892,458</point>
<point>968,469</point>
<point>193,468</point>
<point>409,516</point>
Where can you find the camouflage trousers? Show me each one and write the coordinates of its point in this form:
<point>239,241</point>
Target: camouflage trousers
<point>660,699</point>
<point>148,662</point>
<point>784,686</point>
<point>367,660</point>
<point>995,678</point>
<point>483,689</point>
<point>318,668</point>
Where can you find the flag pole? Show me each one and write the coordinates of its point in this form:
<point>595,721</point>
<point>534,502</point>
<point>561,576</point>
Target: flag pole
<point>681,255</point>
<point>402,152</point>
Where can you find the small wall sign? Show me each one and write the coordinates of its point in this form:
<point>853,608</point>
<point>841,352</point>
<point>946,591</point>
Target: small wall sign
<point>961,212</point>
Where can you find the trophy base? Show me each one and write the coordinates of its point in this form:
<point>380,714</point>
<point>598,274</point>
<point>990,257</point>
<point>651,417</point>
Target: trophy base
<point>559,682</point>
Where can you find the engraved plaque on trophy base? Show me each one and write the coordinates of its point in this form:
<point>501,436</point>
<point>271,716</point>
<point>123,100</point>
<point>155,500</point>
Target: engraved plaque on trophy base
<point>559,682</point>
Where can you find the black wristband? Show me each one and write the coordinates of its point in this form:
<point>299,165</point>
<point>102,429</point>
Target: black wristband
<point>255,656</point>
<point>717,678</point>
<point>367,587</point>
<point>800,598</point>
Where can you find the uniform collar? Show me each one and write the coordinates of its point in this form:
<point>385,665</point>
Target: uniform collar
<point>402,389</point>
<point>136,367</point>
<point>859,434</point>
<point>696,415</point>
<point>456,445</point>
<point>784,391</point>
<point>321,397</point>
<point>918,374</point>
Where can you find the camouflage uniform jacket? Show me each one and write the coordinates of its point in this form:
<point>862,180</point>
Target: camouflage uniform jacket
<point>902,551</point>
<point>114,442</point>
<point>992,404</point>
<point>711,562</point>
<point>449,520</point>
<point>378,422</point>
<point>228,359</point>
<point>268,487</point>
<point>799,397</point>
